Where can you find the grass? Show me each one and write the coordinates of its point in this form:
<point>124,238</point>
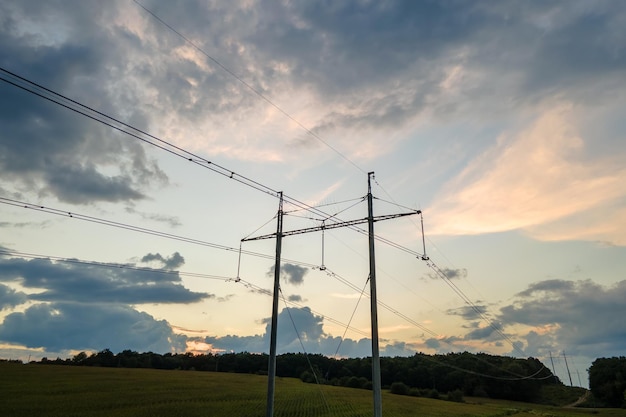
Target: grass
<point>51,391</point>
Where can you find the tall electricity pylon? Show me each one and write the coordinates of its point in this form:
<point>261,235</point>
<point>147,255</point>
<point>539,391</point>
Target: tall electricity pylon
<point>370,219</point>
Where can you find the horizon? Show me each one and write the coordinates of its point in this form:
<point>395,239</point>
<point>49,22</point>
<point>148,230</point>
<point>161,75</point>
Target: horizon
<point>502,123</point>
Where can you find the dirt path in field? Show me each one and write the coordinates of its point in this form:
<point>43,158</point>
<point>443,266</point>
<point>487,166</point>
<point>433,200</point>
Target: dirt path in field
<point>579,401</point>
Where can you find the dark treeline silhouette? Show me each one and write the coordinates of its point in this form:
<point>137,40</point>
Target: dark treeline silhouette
<point>607,381</point>
<point>459,373</point>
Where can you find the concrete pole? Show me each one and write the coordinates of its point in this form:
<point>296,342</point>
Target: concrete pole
<point>376,384</point>
<point>571,384</point>
<point>271,371</point>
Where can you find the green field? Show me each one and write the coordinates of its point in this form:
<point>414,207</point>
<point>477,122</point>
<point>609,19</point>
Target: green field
<point>65,391</point>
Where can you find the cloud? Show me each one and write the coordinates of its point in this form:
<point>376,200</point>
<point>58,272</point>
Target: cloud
<point>311,335</point>
<point>77,282</point>
<point>66,155</point>
<point>89,326</point>
<point>173,221</point>
<point>225,298</point>
<point>530,180</point>
<point>10,298</point>
<point>450,273</point>
<point>393,65</point>
<point>489,332</point>
<point>469,312</point>
<point>72,305</point>
<point>569,313</point>
<point>546,287</point>
<point>294,274</point>
<point>174,261</point>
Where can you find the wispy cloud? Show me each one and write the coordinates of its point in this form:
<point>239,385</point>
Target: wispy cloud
<point>530,179</point>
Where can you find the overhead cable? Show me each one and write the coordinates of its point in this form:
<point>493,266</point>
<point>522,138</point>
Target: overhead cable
<point>250,87</point>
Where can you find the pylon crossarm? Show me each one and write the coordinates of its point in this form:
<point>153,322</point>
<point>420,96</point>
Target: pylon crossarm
<point>331,226</point>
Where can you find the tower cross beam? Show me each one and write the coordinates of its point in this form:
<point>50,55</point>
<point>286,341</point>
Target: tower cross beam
<point>331,226</point>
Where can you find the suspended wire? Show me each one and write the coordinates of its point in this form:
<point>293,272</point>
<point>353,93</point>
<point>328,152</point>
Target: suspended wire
<point>260,227</point>
<point>440,273</point>
<point>250,87</point>
<point>129,227</point>
<point>327,216</point>
<point>343,336</point>
<point>109,265</point>
<point>306,354</point>
<point>175,150</point>
<point>164,145</point>
<point>120,126</point>
<point>267,292</point>
<point>393,203</point>
<point>389,275</point>
<point>453,286</point>
<point>113,265</point>
<point>241,243</point>
<point>473,306</point>
<point>247,284</point>
<point>330,216</point>
<point>317,206</point>
<point>64,101</point>
<point>415,323</point>
<point>501,378</point>
<point>78,216</point>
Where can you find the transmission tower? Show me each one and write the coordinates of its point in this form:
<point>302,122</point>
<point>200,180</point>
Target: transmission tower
<point>370,220</point>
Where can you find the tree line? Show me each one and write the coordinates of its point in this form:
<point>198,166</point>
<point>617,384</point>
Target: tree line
<point>607,381</point>
<point>461,373</point>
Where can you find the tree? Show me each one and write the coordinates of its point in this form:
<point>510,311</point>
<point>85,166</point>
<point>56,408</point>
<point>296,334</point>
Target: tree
<point>607,380</point>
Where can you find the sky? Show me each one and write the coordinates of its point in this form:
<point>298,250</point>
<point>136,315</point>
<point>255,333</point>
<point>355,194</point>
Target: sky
<point>501,121</point>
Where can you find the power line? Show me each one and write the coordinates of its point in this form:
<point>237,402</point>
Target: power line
<point>110,265</point>
<point>248,284</point>
<point>129,227</point>
<point>82,109</point>
<point>116,124</point>
<point>159,143</point>
<point>473,306</point>
<point>250,87</point>
<point>306,354</point>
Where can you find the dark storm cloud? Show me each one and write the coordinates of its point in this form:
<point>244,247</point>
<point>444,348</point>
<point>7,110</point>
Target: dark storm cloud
<point>10,298</point>
<point>89,283</point>
<point>89,326</point>
<point>586,317</point>
<point>176,260</point>
<point>295,298</point>
<point>45,148</point>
